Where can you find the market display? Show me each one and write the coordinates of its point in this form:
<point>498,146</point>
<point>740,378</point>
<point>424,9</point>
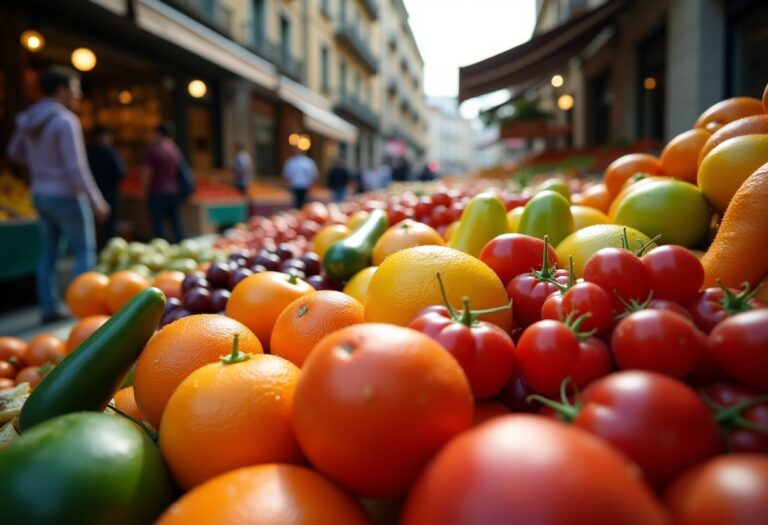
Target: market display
<point>570,352</point>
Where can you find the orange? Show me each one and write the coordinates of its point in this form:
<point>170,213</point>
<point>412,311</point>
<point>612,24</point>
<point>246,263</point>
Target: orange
<point>754,125</point>
<point>485,410</point>
<point>405,234</point>
<point>407,282</point>
<point>627,166</point>
<point>257,301</point>
<point>125,401</point>
<point>266,495</point>
<point>356,219</point>
<point>308,319</point>
<point>169,282</point>
<point>44,348</point>
<point>83,330</point>
<point>740,250</point>
<point>229,415</point>
<point>177,350</point>
<point>328,236</point>
<point>680,158</point>
<point>373,404</point>
<point>122,287</point>
<point>87,294</point>
<point>727,166</point>
<point>13,350</point>
<point>727,111</point>
<point>596,196</point>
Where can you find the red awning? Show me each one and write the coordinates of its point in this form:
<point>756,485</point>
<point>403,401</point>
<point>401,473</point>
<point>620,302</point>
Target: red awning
<point>542,55</point>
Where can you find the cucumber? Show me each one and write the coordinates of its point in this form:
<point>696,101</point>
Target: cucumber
<point>350,255</point>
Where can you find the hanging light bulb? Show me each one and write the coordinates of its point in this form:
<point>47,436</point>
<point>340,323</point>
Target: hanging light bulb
<point>197,88</point>
<point>83,59</point>
<point>32,40</point>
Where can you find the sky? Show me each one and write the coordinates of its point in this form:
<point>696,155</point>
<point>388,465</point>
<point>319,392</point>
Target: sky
<point>453,33</point>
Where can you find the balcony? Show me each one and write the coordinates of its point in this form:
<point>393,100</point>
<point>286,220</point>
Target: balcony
<point>352,108</point>
<point>392,86</point>
<point>350,37</point>
<point>392,42</point>
<point>209,12</point>
<point>286,64</point>
<point>371,8</point>
<point>399,134</point>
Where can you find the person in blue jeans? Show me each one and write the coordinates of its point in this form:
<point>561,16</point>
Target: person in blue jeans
<point>49,141</point>
<point>160,182</point>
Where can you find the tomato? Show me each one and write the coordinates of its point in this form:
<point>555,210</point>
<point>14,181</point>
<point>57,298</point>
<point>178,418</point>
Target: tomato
<point>441,198</point>
<point>739,345</point>
<point>7,370</point>
<point>440,215</point>
<point>485,352</point>
<point>527,469</point>
<point>675,273</point>
<point>589,298</point>
<point>730,489</point>
<point>657,340</point>
<point>658,421</point>
<point>553,307</point>
<point>714,305</point>
<point>31,375</point>
<point>743,415</point>
<point>6,383</point>
<point>672,306</point>
<point>511,254</point>
<point>620,273</point>
<point>549,351</point>
<point>423,208</point>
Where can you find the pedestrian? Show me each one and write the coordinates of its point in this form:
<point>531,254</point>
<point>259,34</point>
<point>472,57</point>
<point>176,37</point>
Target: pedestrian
<point>108,170</point>
<point>49,141</point>
<point>427,174</point>
<point>338,179</point>
<point>401,171</point>
<point>160,181</point>
<point>300,171</point>
<point>371,179</point>
<point>385,174</point>
<point>242,168</point>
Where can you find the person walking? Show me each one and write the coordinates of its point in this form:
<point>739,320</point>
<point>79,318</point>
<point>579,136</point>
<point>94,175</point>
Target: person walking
<point>108,170</point>
<point>242,168</point>
<point>160,182</point>
<point>338,179</point>
<point>49,141</point>
<point>300,171</point>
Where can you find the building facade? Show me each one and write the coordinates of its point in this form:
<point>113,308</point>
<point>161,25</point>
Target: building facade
<point>265,71</point>
<point>450,140</point>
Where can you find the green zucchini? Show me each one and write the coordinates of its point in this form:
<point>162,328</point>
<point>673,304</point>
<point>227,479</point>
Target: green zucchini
<point>350,255</point>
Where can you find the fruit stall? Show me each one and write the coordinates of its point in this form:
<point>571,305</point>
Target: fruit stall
<point>18,228</point>
<point>551,349</point>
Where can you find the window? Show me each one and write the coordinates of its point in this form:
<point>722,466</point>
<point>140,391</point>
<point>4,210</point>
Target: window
<point>325,7</point>
<point>343,78</point>
<point>747,60</point>
<point>285,39</point>
<point>651,85</point>
<point>358,85</point>
<point>258,11</point>
<point>343,12</point>
<point>325,83</point>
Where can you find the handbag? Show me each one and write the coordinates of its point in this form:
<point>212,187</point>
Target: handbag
<point>185,179</point>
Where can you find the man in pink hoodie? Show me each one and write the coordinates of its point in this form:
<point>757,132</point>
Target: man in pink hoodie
<point>49,141</point>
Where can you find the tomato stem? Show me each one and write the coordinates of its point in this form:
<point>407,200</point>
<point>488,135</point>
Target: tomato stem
<point>732,418</point>
<point>632,306</point>
<point>293,277</point>
<point>467,316</point>
<point>566,410</point>
<point>737,303</point>
<point>236,356</point>
<point>574,323</point>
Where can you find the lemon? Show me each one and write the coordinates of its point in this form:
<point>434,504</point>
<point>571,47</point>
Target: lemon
<point>584,216</point>
<point>672,208</point>
<point>406,282</point>
<point>357,286</point>
<point>582,244</point>
<point>328,236</point>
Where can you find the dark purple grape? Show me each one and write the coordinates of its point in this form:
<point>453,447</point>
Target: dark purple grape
<point>239,262</point>
<point>311,263</point>
<point>194,280</point>
<point>270,261</point>
<point>219,300</point>
<point>238,275</point>
<point>171,304</point>
<point>237,256</point>
<point>286,251</point>
<point>257,268</point>
<point>175,315</point>
<point>322,282</point>
<point>316,281</point>
<point>293,264</point>
<point>218,274</point>
<point>197,300</point>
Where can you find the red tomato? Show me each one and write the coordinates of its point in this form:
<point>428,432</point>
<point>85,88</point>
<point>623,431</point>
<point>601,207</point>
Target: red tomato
<point>743,415</point>
<point>672,306</point>
<point>6,383</point>
<point>621,273</point>
<point>7,370</point>
<point>456,209</point>
<point>657,340</point>
<point>31,375</point>
<point>675,273</point>
<point>658,421</point>
<point>553,307</point>
<point>440,215</point>
<point>549,351</point>
<point>396,213</point>
<point>423,208</point>
<point>511,254</point>
<point>527,469</point>
<point>485,352</point>
<point>730,489</point>
<point>739,345</point>
<point>588,297</point>
<point>528,292</point>
<point>441,198</point>
<point>714,305</point>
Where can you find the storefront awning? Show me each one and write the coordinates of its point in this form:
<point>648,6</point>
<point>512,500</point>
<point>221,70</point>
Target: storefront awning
<point>157,18</point>
<point>542,55</point>
<point>317,116</point>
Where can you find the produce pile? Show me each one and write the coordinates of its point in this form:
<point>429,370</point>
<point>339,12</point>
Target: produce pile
<point>566,353</point>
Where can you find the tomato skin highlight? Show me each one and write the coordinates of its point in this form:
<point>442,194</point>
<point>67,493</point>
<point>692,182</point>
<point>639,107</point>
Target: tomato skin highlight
<point>675,273</point>
<point>739,345</point>
<point>620,273</point>
<point>511,254</point>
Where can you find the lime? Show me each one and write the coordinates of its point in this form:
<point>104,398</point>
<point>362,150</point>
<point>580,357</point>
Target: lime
<point>581,244</point>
